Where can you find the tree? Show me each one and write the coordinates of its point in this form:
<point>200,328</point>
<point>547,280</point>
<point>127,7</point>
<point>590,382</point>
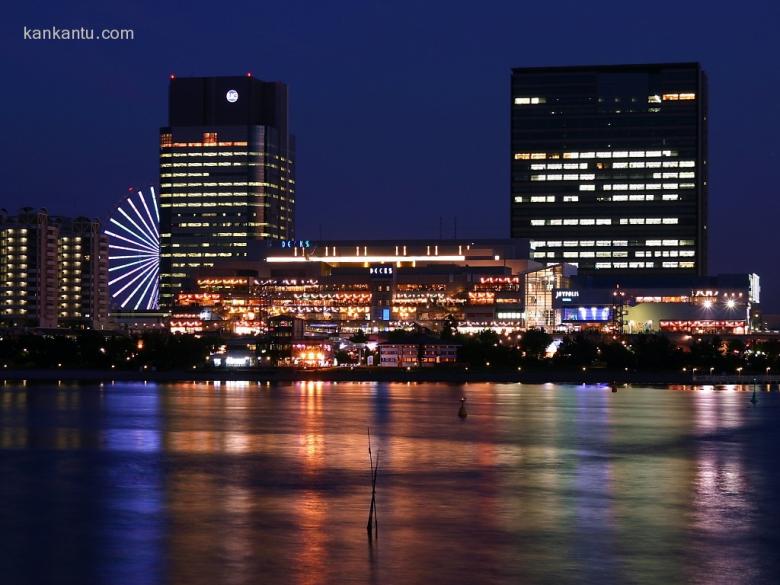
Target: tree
<point>534,343</point>
<point>359,337</point>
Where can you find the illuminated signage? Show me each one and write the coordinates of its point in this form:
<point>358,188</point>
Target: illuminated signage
<point>295,243</point>
<point>231,96</point>
<point>381,271</point>
<point>566,296</point>
<point>587,314</point>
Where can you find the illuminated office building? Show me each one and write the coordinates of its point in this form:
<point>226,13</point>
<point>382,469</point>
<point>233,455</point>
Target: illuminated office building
<point>609,167</point>
<point>227,177</point>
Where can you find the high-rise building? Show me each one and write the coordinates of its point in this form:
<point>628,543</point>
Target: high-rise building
<point>82,264</point>
<point>609,166</point>
<point>53,271</point>
<point>227,174</point>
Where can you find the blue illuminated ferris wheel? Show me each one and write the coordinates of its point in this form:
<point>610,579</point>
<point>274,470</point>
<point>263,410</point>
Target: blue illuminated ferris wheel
<point>134,253</point>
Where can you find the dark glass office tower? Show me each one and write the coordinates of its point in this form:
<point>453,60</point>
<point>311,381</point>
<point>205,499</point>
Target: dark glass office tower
<point>227,174</point>
<point>609,166</point>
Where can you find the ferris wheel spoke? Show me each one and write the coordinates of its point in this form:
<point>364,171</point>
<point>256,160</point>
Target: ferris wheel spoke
<point>136,278</point>
<point>129,273</point>
<point>134,252</point>
<point>141,233</point>
<point>149,282</point>
<point>149,231</point>
<point>144,245</point>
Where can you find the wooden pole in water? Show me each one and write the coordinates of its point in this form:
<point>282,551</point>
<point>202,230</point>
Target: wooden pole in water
<point>372,515</point>
<point>371,469</point>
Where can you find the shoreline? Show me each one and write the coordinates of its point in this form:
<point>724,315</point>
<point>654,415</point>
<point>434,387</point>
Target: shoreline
<point>432,375</point>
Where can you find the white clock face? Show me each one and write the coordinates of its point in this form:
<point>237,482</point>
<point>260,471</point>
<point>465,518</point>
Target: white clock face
<point>231,96</point>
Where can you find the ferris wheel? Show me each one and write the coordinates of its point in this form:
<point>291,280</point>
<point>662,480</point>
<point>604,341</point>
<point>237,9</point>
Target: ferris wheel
<point>134,252</point>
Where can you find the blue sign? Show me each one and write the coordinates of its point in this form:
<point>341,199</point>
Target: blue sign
<point>587,314</point>
<point>296,243</point>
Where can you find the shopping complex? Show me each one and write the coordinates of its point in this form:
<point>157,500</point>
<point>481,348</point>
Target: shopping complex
<point>342,287</point>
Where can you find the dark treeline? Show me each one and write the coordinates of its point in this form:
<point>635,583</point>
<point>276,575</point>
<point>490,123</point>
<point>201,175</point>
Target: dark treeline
<point>96,350</point>
<point>650,352</point>
<point>528,350</point>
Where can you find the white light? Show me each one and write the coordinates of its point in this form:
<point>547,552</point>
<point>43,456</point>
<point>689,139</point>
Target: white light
<point>707,304</point>
<point>231,96</point>
<point>362,259</point>
<point>730,303</point>
<point>134,254</point>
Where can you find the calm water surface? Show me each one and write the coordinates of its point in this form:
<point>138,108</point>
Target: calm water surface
<point>202,483</point>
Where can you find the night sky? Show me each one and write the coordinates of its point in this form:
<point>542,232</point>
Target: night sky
<point>401,109</point>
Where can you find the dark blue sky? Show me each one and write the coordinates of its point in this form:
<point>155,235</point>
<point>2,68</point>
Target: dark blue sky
<point>400,108</point>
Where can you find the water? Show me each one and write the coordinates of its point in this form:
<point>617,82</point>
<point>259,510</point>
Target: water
<point>247,483</point>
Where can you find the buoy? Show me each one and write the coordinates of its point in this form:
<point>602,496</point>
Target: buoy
<point>462,411</point>
<point>614,387</point>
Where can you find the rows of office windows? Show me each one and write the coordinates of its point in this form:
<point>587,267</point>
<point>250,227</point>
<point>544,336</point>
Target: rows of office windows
<point>605,221</point>
<point>615,254</point>
<point>605,154</point>
<point>667,164</point>
<point>604,243</point>
<point>651,99</point>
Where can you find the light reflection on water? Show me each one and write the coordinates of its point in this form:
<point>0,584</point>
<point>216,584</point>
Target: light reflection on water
<point>245,483</point>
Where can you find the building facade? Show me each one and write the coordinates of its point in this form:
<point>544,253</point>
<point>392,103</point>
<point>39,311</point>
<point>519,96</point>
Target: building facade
<point>609,166</point>
<point>716,304</point>
<point>227,174</point>
<point>342,287</point>
<point>53,271</point>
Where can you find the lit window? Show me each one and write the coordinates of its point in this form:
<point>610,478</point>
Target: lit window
<point>525,101</point>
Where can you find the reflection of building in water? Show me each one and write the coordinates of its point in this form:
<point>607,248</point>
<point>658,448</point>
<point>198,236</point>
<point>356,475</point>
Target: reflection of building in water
<point>652,476</point>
